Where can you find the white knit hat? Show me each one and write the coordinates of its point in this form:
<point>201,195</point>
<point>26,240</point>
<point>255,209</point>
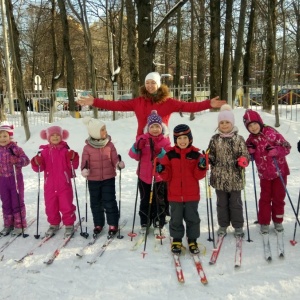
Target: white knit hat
<point>154,76</point>
<point>226,114</point>
<point>93,126</point>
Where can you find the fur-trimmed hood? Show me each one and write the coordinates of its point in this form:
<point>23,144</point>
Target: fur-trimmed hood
<point>162,94</point>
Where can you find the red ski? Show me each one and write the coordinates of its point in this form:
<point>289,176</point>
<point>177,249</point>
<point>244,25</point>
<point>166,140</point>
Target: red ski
<point>216,251</point>
<point>238,252</point>
<point>178,268</point>
<point>199,268</point>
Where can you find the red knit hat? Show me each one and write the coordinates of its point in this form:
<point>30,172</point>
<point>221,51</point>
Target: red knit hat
<point>45,134</point>
<point>251,116</point>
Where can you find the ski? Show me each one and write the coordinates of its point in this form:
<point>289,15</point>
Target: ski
<point>62,245</point>
<point>108,241</point>
<point>267,248</point>
<point>198,265</point>
<point>40,244</point>
<point>216,251</point>
<point>138,242</point>
<point>238,252</point>
<point>178,268</point>
<point>280,243</point>
<point>80,253</point>
<point>14,237</point>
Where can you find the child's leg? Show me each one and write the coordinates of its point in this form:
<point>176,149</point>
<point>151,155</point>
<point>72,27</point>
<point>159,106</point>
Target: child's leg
<point>66,207</point>
<point>158,205</point>
<point>223,208</point>
<point>7,210</point>
<point>264,212</point>
<point>192,220</point>
<point>278,195</point>
<point>108,194</point>
<point>96,203</point>
<point>236,209</point>
<point>176,222</point>
<point>144,189</point>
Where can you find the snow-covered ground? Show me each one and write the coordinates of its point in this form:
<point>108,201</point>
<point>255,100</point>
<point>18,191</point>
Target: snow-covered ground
<point>124,274</point>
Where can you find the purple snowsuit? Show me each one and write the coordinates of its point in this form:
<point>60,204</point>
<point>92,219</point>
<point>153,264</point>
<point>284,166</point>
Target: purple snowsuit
<point>12,198</point>
<point>58,192</point>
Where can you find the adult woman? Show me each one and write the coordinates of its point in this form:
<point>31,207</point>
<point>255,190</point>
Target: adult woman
<point>154,96</point>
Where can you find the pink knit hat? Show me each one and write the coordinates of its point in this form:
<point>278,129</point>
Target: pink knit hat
<point>8,129</point>
<point>46,133</point>
<point>226,114</point>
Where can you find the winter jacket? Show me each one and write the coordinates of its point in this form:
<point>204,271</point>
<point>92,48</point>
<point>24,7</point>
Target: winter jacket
<point>146,155</point>
<point>224,151</point>
<point>269,137</point>
<point>56,166</point>
<point>101,162</point>
<point>143,105</point>
<point>182,174</point>
<point>6,152</point>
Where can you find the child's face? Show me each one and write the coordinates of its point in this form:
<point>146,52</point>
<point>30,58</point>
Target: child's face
<point>225,126</point>
<point>254,128</point>
<point>103,132</point>
<point>155,129</point>
<point>183,141</point>
<point>4,138</point>
<point>151,86</point>
<point>55,139</point>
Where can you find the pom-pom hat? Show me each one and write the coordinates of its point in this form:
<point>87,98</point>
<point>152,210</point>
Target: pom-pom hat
<point>154,118</point>
<point>8,129</point>
<point>93,126</point>
<point>226,114</point>
<point>46,133</point>
<point>154,76</point>
<point>182,129</point>
<point>252,116</point>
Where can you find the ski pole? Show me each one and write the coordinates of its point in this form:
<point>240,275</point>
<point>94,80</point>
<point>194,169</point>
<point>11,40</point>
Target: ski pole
<point>37,236</point>
<point>293,241</point>
<point>150,204</point>
<point>83,234</point>
<point>206,192</point>
<point>86,199</point>
<point>119,235</point>
<point>211,212</point>
<point>18,195</point>
<point>254,184</point>
<point>283,183</point>
<point>246,209</point>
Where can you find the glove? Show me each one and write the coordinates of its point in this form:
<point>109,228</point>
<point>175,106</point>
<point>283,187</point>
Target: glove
<point>161,152</point>
<point>298,146</point>
<point>202,163</point>
<point>71,154</point>
<point>85,173</point>
<point>272,151</point>
<point>242,161</point>
<point>120,165</point>
<point>38,160</point>
<point>14,159</point>
<point>140,144</point>
<point>159,168</point>
<point>251,149</point>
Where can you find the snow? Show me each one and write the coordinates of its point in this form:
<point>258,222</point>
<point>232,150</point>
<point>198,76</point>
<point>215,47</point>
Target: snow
<point>124,274</point>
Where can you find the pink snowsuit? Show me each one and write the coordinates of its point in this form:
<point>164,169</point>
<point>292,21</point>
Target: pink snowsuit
<point>58,192</point>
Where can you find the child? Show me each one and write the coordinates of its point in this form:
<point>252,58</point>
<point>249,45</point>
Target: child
<point>98,165</point>
<point>12,159</point>
<point>147,147</point>
<point>228,156</point>
<point>268,148</point>
<point>181,169</point>
<point>58,164</point>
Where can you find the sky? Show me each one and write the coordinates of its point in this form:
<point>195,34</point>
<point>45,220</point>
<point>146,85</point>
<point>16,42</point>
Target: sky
<point>121,273</point>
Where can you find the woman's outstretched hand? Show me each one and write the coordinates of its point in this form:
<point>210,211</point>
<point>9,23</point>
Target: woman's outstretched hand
<point>86,100</point>
<point>216,103</point>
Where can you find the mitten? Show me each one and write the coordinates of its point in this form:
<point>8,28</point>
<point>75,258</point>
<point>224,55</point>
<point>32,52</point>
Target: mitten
<point>161,153</point>
<point>272,151</point>
<point>120,165</point>
<point>85,173</point>
<point>140,144</point>
<point>159,168</point>
<point>202,163</point>
<point>71,154</point>
<point>242,161</point>
<point>38,160</point>
<point>251,149</point>
<point>298,146</point>
<point>14,159</point>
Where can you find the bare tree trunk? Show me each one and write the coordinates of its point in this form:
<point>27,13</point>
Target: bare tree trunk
<point>15,51</point>
<point>68,55</point>
<point>2,113</point>
<point>192,115</point>
<point>215,74</point>
<point>297,13</point>
<point>270,56</point>
<point>178,51</point>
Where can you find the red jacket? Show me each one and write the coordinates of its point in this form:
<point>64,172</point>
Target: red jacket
<point>143,106</point>
<point>182,174</point>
